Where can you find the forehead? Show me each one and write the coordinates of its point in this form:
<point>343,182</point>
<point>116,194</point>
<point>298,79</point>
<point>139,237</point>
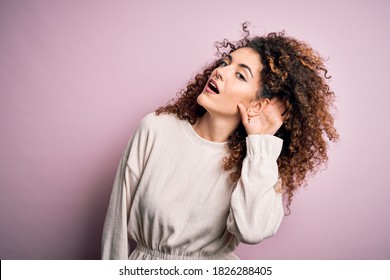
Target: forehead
<point>248,57</point>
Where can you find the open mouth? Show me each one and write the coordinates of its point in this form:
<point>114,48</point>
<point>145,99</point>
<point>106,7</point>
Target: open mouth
<point>212,85</point>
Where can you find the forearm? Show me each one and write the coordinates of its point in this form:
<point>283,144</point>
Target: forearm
<point>256,208</point>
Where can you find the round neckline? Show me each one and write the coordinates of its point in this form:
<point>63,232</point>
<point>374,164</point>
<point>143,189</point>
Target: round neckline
<point>195,137</point>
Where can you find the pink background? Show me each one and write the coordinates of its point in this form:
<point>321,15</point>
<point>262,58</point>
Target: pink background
<point>77,76</point>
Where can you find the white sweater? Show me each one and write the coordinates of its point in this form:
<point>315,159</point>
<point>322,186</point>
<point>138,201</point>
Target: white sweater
<point>173,198</point>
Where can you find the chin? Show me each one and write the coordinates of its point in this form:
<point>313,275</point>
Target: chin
<point>202,100</point>
<point>207,103</point>
<point>215,109</point>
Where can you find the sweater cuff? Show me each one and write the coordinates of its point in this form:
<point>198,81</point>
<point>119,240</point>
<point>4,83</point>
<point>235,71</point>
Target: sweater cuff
<point>263,145</point>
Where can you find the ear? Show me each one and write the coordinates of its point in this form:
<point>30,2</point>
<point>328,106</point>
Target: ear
<point>257,106</point>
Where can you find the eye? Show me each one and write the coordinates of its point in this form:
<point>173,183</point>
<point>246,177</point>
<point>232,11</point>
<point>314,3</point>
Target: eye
<point>240,76</point>
<point>223,63</point>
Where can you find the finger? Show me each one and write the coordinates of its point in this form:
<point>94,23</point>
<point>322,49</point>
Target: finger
<point>277,107</point>
<point>244,115</point>
<point>274,115</point>
<point>276,101</point>
<point>282,105</point>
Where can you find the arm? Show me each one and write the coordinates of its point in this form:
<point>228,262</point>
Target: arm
<point>115,239</point>
<point>256,209</point>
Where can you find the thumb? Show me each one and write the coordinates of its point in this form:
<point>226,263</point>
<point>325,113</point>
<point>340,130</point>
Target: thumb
<point>244,115</point>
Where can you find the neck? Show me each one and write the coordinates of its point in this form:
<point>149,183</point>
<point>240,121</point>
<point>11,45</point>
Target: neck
<point>215,128</point>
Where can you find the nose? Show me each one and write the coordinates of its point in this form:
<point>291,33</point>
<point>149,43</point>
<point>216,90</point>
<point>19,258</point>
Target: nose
<point>218,75</point>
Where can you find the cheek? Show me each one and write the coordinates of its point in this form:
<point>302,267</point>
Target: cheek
<point>243,94</point>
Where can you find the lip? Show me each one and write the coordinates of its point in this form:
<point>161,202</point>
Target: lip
<point>209,90</point>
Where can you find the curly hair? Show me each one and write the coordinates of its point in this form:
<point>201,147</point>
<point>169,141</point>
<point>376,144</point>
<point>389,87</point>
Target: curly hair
<point>293,72</point>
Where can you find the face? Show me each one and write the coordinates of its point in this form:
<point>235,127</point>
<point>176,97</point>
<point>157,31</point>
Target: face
<point>236,80</point>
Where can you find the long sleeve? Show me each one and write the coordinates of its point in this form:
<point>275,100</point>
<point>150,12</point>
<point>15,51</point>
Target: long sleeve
<point>115,243</point>
<point>256,209</point>
<point>115,238</point>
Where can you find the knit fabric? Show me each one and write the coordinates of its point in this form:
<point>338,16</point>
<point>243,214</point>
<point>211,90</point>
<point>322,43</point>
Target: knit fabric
<point>173,198</point>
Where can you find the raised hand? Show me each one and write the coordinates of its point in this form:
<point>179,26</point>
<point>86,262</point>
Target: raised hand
<point>263,116</point>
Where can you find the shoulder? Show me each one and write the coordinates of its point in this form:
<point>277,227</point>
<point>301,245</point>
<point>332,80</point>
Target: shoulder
<point>155,122</point>
<point>154,129</point>
<point>148,130</point>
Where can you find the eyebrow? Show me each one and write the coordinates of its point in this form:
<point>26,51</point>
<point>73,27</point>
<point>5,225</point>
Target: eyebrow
<point>241,65</point>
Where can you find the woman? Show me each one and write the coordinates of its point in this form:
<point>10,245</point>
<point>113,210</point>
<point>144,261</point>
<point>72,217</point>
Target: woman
<point>210,170</point>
